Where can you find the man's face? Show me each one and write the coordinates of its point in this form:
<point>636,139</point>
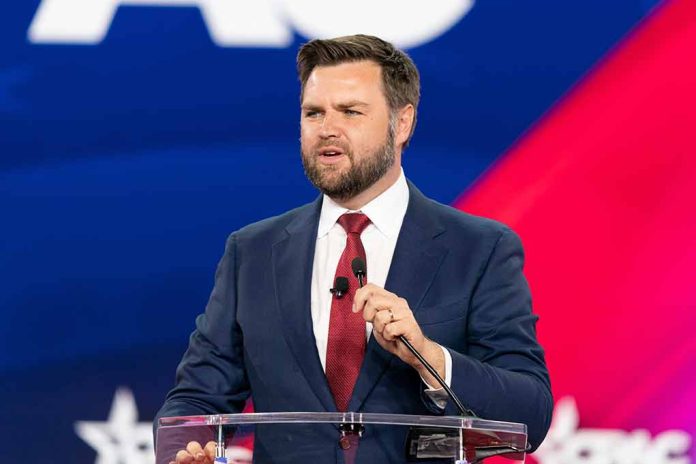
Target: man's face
<point>347,141</point>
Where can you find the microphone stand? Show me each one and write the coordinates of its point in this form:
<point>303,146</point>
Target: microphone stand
<point>416,433</point>
<point>358,266</point>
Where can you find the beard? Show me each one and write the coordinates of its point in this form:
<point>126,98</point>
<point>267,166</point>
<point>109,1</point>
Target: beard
<point>357,178</point>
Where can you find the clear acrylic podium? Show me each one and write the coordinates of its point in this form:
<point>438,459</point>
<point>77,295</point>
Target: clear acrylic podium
<point>446,439</point>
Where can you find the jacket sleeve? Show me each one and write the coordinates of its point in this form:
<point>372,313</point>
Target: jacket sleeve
<point>503,375</point>
<point>211,378</point>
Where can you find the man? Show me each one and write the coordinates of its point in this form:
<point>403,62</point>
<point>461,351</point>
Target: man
<point>450,283</point>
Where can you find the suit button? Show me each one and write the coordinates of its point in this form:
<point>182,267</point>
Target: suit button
<point>344,443</point>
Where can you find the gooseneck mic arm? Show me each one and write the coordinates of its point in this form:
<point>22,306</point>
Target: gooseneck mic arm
<point>358,266</point>
<point>359,269</point>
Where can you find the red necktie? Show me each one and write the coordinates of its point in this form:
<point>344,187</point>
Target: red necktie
<point>346,344</point>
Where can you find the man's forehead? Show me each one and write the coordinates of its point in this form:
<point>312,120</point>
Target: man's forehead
<point>364,77</point>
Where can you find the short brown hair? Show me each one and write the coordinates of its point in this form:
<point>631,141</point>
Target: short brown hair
<point>400,79</point>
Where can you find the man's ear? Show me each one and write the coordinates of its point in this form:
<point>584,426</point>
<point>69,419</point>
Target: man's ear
<point>404,122</point>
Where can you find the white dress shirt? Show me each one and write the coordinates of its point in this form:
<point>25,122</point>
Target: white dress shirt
<point>386,213</point>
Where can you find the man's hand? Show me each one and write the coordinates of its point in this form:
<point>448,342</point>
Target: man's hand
<point>195,454</point>
<point>391,317</point>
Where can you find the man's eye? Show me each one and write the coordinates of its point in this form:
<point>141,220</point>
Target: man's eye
<point>351,112</point>
<point>311,114</point>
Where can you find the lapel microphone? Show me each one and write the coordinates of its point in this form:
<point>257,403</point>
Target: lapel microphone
<point>358,266</point>
<point>340,287</point>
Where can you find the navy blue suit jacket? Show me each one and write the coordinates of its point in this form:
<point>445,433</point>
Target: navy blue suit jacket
<point>462,277</point>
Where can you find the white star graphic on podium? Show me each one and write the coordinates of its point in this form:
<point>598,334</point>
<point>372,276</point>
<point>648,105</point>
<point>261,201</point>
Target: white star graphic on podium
<point>121,439</point>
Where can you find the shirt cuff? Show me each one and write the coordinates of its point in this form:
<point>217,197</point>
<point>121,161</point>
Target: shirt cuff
<point>438,395</point>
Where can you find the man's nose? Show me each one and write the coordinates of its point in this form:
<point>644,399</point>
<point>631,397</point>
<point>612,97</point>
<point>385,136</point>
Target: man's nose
<point>330,126</point>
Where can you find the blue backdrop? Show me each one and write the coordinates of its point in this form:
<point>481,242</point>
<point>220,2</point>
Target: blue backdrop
<point>124,164</point>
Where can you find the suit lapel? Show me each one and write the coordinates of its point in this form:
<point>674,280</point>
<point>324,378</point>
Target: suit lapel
<point>414,266</point>
<point>292,260</point>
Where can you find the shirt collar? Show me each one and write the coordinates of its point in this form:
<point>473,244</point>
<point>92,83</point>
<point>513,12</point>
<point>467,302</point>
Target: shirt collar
<point>386,211</point>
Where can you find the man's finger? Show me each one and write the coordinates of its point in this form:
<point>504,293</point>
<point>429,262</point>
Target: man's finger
<point>361,296</point>
<point>381,319</point>
<point>390,346</point>
<point>368,291</point>
<point>392,331</point>
<point>375,304</point>
<point>210,450</point>
<point>183,457</point>
<point>195,449</point>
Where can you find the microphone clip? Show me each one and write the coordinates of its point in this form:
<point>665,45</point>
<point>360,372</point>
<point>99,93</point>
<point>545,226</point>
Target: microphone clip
<point>336,292</point>
<point>340,287</point>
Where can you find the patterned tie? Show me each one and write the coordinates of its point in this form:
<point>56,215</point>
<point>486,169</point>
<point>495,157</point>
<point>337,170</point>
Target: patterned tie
<point>346,344</point>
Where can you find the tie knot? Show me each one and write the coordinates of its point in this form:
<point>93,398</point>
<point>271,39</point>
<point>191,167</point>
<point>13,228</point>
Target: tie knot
<point>354,223</point>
